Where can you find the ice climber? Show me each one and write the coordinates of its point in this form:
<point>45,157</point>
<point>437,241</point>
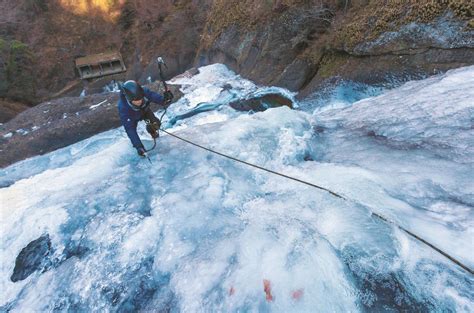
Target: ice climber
<point>134,106</point>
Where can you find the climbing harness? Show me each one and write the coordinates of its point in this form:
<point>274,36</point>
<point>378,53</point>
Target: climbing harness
<point>380,217</point>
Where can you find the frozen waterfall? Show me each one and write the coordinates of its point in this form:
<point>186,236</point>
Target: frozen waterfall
<point>105,231</point>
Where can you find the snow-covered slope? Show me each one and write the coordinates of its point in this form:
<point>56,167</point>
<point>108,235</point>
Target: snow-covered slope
<point>195,232</point>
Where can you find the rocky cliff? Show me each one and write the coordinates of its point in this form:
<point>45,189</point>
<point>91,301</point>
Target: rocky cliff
<point>302,44</point>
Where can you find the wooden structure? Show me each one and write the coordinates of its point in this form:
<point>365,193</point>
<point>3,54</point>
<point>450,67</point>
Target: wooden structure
<point>98,65</point>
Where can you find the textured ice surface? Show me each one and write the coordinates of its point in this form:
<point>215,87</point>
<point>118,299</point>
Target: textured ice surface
<point>436,114</point>
<point>195,232</point>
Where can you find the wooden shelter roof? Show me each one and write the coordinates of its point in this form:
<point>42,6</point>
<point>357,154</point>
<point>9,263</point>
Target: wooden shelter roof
<point>94,59</point>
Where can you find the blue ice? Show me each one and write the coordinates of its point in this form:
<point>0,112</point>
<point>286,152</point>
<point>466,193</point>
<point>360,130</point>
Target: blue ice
<point>196,232</point>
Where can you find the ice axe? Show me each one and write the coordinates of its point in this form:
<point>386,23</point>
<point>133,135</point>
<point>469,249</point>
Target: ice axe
<point>160,63</point>
<point>146,155</point>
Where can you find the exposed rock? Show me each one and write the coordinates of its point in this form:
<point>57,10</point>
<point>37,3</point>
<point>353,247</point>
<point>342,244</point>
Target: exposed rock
<point>17,75</point>
<point>4,51</point>
<point>268,53</point>
<point>55,124</point>
<point>387,69</point>
<point>297,75</point>
<point>445,33</point>
<point>299,45</point>
<point>33,257</point>
<point>261,103</point>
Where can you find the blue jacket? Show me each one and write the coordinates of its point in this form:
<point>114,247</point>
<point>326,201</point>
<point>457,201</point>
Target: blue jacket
<point>131,115</point>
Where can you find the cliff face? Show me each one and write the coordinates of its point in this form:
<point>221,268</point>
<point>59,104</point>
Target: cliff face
<point>298,44</point>
<point>302,44</point>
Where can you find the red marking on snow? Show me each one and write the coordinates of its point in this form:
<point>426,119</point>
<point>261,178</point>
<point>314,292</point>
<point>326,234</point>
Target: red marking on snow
<point>231,291</point>
<point>268,290</point>
<point>297,294</point>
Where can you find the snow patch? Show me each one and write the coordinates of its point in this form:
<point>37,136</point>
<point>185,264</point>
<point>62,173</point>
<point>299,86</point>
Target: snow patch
<point>95,106</point>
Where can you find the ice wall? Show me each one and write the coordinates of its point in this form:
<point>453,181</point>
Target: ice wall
<point>195,232</point>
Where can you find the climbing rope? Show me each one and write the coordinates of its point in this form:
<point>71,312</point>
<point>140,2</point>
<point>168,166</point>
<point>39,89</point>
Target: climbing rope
<point>382,218</point>
<point>253,165</point>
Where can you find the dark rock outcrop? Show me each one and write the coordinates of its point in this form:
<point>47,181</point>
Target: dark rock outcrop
<point>390,69</point>
<point>261,103</point>
<point>33,257</point>
<point>268,52</point>
<point>55,124</point>
<point>297,74</point>
<point>411,51</point>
